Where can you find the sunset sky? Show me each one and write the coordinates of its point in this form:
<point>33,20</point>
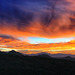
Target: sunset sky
<point>33,26</point>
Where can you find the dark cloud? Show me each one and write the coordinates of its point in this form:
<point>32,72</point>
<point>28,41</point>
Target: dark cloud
<point>7,37</point>
<point>40,17</point>
<point>7,41</point>
<point>9,14</point>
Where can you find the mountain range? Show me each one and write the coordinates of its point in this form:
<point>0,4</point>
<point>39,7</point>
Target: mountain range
<point>15,63</point>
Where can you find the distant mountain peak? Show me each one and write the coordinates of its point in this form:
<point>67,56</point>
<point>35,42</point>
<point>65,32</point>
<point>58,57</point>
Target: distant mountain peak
<point>44,55</point>
<point>68,57</point>
<point>12,51</point>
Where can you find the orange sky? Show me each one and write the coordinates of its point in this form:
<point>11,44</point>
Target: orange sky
<point>63,47</point>
<point>19,22</point>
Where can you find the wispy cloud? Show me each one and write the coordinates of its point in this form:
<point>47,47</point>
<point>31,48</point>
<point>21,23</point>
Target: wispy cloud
<point>45,20</point>
<point>36,18</point>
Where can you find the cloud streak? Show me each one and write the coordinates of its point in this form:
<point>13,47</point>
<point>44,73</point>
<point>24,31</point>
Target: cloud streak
<point>13,43</point>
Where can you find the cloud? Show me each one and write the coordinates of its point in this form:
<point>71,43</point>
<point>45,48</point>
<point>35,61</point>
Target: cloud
<point>11,42</point>
<point>37,18</point>
<point>49,19</point>
<point>7,39</point>
<point>8,43</point>
<point>29,51</point>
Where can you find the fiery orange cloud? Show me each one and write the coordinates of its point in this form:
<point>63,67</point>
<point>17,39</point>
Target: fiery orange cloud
<point>40,31</point>
<point>66,47</point>
<point>37,24</point>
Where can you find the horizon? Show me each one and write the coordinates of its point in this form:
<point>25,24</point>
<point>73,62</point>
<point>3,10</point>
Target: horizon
<point>58,55</point>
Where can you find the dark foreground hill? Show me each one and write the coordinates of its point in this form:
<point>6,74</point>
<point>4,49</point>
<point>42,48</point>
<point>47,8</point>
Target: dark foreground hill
<point>17,64</point>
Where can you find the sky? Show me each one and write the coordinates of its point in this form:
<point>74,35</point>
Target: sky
<point>32,26</point>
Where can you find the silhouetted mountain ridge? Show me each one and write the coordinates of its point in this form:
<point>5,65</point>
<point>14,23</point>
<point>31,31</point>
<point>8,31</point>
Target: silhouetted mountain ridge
<point>44,55</point>
<point>58,55</point>
<point>13,64</point>
<point>68,57</point>
<point>13,52</point>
